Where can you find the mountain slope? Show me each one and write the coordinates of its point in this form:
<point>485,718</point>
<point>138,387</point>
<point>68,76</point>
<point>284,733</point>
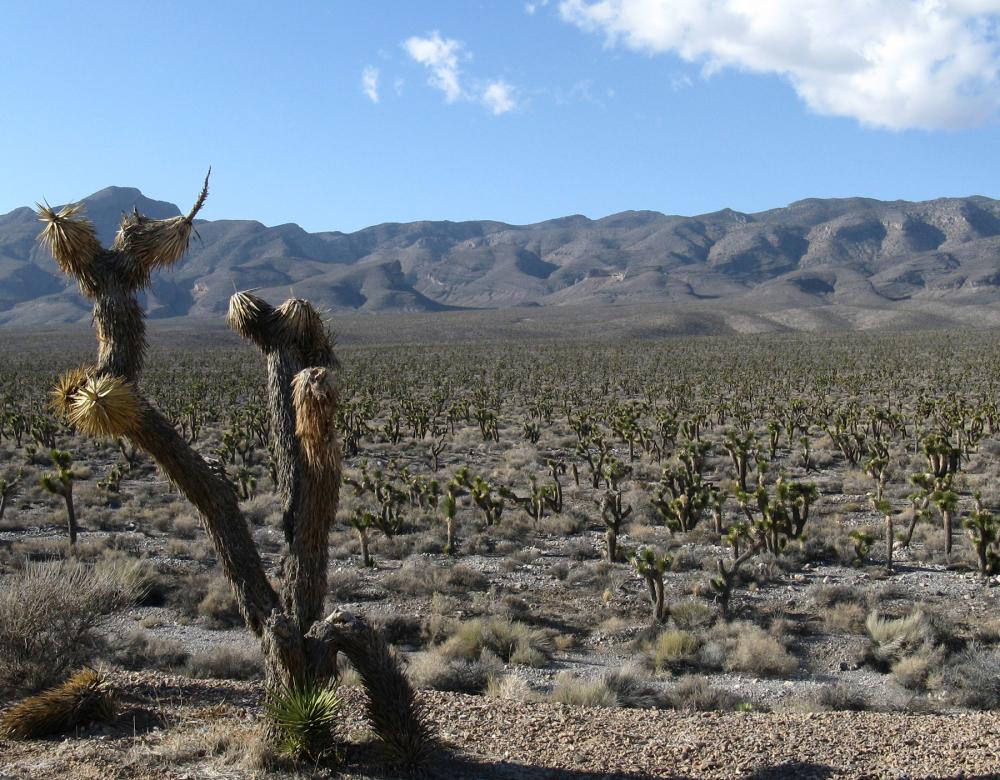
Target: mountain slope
<point>841,253</point>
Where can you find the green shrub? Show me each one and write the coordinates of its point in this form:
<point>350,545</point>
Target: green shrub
<point>304,717</point>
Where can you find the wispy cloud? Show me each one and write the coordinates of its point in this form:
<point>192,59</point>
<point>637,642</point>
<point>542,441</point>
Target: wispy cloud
<point>533,5</point>
<point>440,56</point>
<point>369,82</point>
<point>894,63</point>
<point>498,97</point>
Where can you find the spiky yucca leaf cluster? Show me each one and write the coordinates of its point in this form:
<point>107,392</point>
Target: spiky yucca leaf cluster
<point>157,243</point>
<point>305,716</point>
<point>314,396</point>
<point>67,386</point>
<point>70,237</point>
<point>85,697</point>
<point>299,323</point>
<point>250,316</point>
<point>103,406</point>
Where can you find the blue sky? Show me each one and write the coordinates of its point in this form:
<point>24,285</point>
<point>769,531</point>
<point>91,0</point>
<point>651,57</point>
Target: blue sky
<point>500,110</point>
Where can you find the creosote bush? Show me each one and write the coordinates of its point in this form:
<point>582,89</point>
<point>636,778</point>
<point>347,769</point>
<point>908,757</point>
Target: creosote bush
<point>49,614</point>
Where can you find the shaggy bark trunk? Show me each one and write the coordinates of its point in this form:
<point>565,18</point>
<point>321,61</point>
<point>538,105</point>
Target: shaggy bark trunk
<point>70,513</point>
<point>612,540</point>
<point>888,543</point>
<point>946,518</point>
<point>366,558</point>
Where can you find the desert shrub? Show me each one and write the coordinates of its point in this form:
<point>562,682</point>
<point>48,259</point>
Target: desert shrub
<point>826,596</point>
<point>581,691</point>
<point>694,693</point>
<point>691,615</point>
<point>581,550</point>
<point>912,671</point>
<point>218,605</point>
<point>759,654</point>
<point>673,650</point>
<point>509,687</point>
<point>49,614</point>
<point>895,638</point>
<point>439,672</point>
<point>418,577</point>
<point>397,628</point>
<point>141,650</point>
<point>972,679</point>
<point>845,618</point>
<point>345,584</point>
<point>632,687</point>
<point>508,639</point>
<point>837,697</point>
<point>226,664</point>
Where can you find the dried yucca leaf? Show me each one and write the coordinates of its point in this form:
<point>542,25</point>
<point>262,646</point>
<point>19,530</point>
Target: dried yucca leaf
<point>314,396</point>
<point>69,236</point>
<point>104,406</point>
<point>83,698</point>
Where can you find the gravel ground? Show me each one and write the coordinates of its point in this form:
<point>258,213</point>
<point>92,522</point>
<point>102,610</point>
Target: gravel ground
<point>488,738</point>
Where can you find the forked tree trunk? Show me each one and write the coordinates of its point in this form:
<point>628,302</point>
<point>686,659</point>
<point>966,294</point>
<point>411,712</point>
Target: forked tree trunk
<point>298,645</point>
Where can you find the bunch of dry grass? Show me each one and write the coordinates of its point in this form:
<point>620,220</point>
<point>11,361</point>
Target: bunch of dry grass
<point>84,698</point>
<point>48,616</point>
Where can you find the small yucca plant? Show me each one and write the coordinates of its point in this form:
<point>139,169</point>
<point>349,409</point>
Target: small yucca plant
<point>305,717</point>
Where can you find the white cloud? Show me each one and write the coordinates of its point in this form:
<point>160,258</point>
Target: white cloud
<point>499,97</point>
<point>887,63</point>
<point>369,82</point>
<point>533,5</point>
<point>440,56</point>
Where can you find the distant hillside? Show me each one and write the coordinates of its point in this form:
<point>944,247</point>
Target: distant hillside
<point>835,255</point>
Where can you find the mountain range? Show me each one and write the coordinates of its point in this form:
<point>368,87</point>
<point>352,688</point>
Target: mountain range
<point>818,260</point>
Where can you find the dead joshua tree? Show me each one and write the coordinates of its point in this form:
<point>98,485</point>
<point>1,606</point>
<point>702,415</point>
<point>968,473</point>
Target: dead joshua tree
<point>300,647</point>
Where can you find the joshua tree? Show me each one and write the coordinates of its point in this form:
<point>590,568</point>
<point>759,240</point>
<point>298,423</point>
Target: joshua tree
<point>8,488</point>
<point>614,512</point>
<point>60,483</point>
<point>361,520</point>
<point>650,565</point>
<point>300,646</point>
<point>984,531</point>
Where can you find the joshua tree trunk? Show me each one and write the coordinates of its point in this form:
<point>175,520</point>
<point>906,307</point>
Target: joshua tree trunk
<point>105,400</point>
<point>946,518</point>
<point>70,513</point>
<point>366,558</point>
<point>888,542</point>
<point>612,539</point>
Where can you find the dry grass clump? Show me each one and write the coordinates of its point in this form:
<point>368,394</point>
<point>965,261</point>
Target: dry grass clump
<point>845,618</point>
<point>691,615</point>
<point>837,697</point>
<point>142,650</point>
<point>634,688</point>
<point>673,650</point>
<point>224,663</point>
<point>49,614</point>
<point>509,640</point>
<point>440,672</point>
<point>695,693</point>
<point>220,744</point>
<point>418,577</point>
<point>579,691</point>
<point>218,605</point>
<point>510,687</point>
<point>893,639</point>
<point>971,679</point>
<point>83,698</point>
<point>747,649</point>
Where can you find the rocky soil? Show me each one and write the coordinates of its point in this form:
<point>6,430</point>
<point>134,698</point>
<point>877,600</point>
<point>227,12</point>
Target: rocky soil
<point>179,729</point>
